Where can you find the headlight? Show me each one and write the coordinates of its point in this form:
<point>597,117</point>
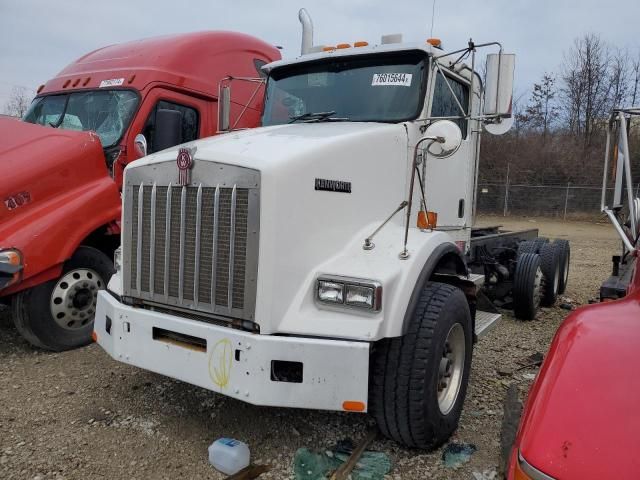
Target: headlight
<point>349,292</point>
<point>10,267</point>
<point>117,258</point>
<point>524,471</point>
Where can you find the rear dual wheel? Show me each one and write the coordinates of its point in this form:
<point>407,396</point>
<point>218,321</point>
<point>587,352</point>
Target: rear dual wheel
<point>58,314</point>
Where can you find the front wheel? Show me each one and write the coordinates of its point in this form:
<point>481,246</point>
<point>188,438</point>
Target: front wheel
<point>58,314</point>
<point>419,380</point>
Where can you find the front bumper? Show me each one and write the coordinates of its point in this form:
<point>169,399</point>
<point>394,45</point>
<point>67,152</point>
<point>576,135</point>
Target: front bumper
<point>233,362</point>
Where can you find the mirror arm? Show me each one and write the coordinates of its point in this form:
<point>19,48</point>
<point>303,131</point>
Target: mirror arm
<point>404,254</point>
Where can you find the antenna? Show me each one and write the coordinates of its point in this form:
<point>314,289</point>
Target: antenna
<point>433,15</point>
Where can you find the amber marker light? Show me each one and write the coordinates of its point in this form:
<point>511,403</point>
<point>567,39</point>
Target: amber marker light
<point>432,219</point>
<point>423,222</point>
<point>328,49</point>
<point>94,336</point>
<point>434,42</point>
<point>340,46</point>
<point>361,44</point>
<point>353,406</point>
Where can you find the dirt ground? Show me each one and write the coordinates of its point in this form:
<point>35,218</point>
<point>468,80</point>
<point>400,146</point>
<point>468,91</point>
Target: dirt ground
<point>81,415</point>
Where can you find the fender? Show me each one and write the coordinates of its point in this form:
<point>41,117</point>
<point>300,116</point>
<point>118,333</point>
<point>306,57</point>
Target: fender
<point>50,235</point>
<point>452,259</point>
<point>400,280</point>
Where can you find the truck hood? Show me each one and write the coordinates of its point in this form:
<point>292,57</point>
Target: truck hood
<point>41,162</point>
<point>323,188</point>
<point>272,147</point>
<point>581,418</point>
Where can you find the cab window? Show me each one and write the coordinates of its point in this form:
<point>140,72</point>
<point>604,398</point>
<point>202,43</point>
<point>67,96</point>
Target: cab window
<point>186,120</point>
<point>444,103</point>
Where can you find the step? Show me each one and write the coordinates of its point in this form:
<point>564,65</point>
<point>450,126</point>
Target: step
<point>477,278</point>
<point>485,322</point>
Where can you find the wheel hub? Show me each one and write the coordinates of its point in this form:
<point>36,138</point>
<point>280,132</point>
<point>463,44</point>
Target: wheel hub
<point>451,369</point>
<point>537,284</point>
<point>73,299</point>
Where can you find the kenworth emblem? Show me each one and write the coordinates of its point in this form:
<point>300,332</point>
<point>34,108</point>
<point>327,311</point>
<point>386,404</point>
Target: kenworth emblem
<point>333,185</point>
<point>185,162</point>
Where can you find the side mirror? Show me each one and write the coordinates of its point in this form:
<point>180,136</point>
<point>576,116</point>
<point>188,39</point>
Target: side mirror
<point>168,129</point>
<point>224,108</point>
<point>449,138</point>
<point>140,143</point>
<point>498,99</point>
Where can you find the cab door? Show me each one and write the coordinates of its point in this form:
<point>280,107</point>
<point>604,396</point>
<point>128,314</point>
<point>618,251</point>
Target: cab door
<point>448,179</point>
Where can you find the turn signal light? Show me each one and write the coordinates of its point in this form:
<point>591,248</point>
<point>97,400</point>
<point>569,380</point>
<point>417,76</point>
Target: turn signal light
<point>361,44</point>
<point>435,42</point>
<point>427,220</point>
<point>343,45</point>
<point>353,406</point>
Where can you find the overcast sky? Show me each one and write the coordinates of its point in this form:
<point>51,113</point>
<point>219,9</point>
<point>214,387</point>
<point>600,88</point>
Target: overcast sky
<point>39,37</point>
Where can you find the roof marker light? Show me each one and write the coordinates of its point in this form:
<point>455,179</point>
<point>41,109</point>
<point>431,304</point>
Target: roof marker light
<point>40,88</point>
<point>84,84</point>
<point>361,44</point>
<point>435,42</point>
<point>343,45</point>
<point>76,82</point>
<point>66,84</point>
<point>328,49</point>
<point>132,78</point>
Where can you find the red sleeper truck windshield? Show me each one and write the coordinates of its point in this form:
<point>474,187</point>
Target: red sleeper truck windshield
<point>105,112</point>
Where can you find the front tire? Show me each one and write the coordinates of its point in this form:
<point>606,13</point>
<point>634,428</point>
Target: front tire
<point>419,380</point>
<point>58,315</point>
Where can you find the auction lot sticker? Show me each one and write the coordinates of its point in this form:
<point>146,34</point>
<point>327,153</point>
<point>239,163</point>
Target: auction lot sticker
<point>402,79</point>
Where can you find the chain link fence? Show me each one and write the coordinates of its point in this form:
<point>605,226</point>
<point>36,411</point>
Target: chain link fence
<point>563,201</point>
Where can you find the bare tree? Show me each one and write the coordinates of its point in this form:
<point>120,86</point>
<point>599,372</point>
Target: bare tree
<point>586,85</point>
<point>18,102</point>
<point>619,78</point>
<point>635,68</point>
<point>542,111</point>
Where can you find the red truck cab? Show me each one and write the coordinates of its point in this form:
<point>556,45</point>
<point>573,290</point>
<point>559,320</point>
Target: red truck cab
<point>60,211</point>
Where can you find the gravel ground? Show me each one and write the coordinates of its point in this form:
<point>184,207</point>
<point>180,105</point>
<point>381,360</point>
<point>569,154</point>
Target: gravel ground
<point>81,415</point>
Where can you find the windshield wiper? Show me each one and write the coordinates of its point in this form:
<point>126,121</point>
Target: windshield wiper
<point>315,117</point>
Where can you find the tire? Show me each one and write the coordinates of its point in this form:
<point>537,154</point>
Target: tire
<point>532,246</point>
<point>564,257</point>
<point>550,266</point>
<point>527,281</point>
<point>58,315</point>
<point>405,373</point>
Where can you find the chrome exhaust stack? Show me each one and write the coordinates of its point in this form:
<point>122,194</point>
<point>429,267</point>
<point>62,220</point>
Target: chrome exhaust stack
<point>307,31</point>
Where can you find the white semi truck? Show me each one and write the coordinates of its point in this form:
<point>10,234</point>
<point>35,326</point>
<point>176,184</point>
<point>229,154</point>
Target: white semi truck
<point>327,260</point>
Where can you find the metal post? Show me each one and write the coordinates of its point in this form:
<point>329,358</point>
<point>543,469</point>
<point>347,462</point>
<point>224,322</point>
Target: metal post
<point>506,193</point>
<point>566,200</point>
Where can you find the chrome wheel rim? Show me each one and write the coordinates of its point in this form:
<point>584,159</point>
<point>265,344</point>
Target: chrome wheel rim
<point>451,369</point>
<point>74,297</point>
<point>565,273</point>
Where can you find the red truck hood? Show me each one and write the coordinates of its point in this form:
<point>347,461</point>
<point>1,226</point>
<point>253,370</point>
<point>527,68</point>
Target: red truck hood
<point>582,418</point>
<point>40,162</point>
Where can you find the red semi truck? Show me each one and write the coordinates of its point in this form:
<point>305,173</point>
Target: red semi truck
<point>62,166</point>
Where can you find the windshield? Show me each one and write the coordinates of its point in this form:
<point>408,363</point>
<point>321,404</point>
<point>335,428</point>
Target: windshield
<point>372,88</point>
<point>105,112</point>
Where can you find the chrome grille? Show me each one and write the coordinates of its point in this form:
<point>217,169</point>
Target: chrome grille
<point>190,244</point>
